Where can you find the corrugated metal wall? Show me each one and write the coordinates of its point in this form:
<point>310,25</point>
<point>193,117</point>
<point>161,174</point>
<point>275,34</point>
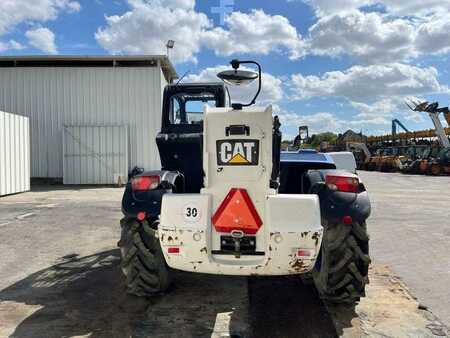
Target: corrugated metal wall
<point>95,155</point>
<point>53,97</point>
<point>14,153</point>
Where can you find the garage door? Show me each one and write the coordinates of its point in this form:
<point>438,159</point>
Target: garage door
<point>95,154</point>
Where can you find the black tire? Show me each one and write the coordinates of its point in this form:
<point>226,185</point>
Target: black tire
<point>341,272</point>
<point>143,263</point>
<point>435,169</point>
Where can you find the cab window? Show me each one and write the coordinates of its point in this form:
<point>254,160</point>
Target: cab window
<point>188,109</point>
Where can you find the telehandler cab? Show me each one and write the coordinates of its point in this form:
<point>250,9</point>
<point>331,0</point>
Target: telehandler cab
<point>227,201</point>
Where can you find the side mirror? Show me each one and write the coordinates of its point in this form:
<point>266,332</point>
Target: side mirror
<point>237,77</point>
<point>241,77</point>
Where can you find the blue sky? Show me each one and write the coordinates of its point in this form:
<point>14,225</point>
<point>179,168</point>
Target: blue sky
<point>332,65</point>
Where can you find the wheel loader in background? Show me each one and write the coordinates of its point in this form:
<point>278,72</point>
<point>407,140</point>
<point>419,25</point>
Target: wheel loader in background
<point>441,164</point>
<point>374,163</point>
<point>437,160</point>
<point>421,165</point>
<point>227,201</point>
<point>361,153</point>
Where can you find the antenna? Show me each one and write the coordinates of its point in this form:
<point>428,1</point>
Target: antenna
<point>182,77</point>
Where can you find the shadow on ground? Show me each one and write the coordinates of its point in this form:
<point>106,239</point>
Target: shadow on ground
<point>285,307</point>
<point>79,296</point>
<point>86,297</point>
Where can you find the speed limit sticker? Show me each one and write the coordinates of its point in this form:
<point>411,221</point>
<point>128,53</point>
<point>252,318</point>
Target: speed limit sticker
<point>191,213</point>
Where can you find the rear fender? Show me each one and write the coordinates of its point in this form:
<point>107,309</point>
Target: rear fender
<point>335,205</point>
<point>150,201</point>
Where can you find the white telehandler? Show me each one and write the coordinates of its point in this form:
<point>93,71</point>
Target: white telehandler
<point>227,201</point>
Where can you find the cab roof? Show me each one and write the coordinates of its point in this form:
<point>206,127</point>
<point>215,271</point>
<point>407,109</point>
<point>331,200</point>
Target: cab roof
<point>196,87</point>
<point>196,84</point>
<point>306,156</point>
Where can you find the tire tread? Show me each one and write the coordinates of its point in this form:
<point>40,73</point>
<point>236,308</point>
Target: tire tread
<point>143,264</point>
<point>342,274</point>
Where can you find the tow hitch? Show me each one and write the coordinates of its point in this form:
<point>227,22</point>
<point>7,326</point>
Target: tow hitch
<point>237,244</point>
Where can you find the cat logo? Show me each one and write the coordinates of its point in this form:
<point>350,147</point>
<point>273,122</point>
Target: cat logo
<point>237,152</point>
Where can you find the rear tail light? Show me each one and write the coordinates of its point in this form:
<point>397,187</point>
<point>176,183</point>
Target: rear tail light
<point>237,213</point>
<point>143,183</point>
<point>342,183</point>
<point>141,216</point>
<point>173,250</point>
<point>347,220</point>
<point>304,253</point>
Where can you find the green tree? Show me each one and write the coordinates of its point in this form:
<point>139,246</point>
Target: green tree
<point>316,139</point>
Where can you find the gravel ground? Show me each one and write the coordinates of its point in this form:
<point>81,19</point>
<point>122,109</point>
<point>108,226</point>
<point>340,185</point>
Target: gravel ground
<point>59,276</point>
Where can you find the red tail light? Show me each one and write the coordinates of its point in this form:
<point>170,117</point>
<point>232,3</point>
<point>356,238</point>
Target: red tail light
<point>342,183</point>
<point>347,220</point>
<point>143,183</point>
<point>173,250</point>
<point>237,212</point>
<point>141,216</point>
<point>304,253</point>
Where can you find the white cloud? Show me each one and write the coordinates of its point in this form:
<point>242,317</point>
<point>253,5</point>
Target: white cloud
<point>392,31</point>
<point>377,92</point>
<point>434,36</point>
<point>368,36</point>
<point>416,7</point>
<point>328,122</point>
<point>255,32</point>
<point>382,108</point>
<point>42,39</point>
<point>147,26</point>
<point>386,109</point>
<point>342,29</point>
<point>394,7</point>
<point>317,122</point>
<point>389,108</point>
<point>327,7</point>
<point>13,12</point>
<point>271,92</point>
<point>185,4</point>
<point>11,44</point>
<point>369,83</point>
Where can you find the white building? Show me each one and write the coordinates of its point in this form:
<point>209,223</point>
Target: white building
<point>14,153</point>
<point>91,118</point>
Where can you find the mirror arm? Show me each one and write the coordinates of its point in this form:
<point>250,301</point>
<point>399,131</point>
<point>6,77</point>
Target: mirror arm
<point>228,94</point>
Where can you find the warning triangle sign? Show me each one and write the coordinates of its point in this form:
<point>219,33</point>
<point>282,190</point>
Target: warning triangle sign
<point>237,212</point>
<point>239,159</point>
